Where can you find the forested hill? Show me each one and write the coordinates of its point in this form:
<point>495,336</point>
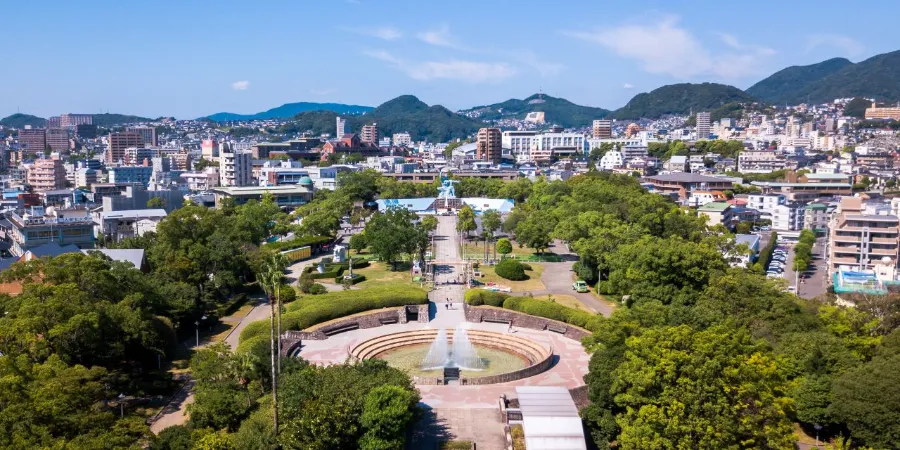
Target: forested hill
<point>680,99</point>
<point>289,110</point>
<point>402,114</point>
<point>19,120</point>
<point>877,77</point>
<point>558,111</point>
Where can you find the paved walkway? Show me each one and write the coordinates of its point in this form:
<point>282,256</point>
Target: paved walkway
<point>558,279</point>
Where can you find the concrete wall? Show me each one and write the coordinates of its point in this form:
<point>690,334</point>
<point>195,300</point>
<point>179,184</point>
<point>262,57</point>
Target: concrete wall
<point>290,339</point>
<point>522,320</point>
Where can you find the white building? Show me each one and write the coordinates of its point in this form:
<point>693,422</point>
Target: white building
<point>612,160</point>
<point>202,181</point>
<point>402,139</point>
<point>533,146</point>
<point>341,128</point>
<point>784,215</point>
<point>235,168</point>
<point>760,161</point>
<point>85,177</point>
<point>703,125</point>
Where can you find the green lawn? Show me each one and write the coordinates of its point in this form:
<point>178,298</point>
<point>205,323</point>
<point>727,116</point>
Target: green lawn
<point>566,300</point>
<point>379,274</point>
<point>533,283</point>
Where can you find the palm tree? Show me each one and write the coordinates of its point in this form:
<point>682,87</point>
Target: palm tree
<point>270,280</point>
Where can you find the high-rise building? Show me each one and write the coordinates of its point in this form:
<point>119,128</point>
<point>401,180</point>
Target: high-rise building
<point>369,133</point>
<point>47,175</point>
<point>118,142</point>
<point>53,122</point>
<point>33,140</point>
<point>181,160</point>
<point>86,131</point>
<point>703,125</point>
<point>148,134</point>
<point>341,128</point>
<point>858,241</point>
<point>489,145</point>
<point>209,149</point>
<point>882,113</point>
<point>235,167</point>
<point>58,139</point>
<point>602,129</point>
<point>73,120</point>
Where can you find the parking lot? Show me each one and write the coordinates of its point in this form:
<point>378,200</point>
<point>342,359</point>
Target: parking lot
<point>812,282</point>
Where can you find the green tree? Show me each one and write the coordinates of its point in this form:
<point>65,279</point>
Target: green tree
<point>536,231</point>
<point>682,388</point>
<point>429,224</point>
<point>358,242</point>
<point>465,220</point>
<point>504,246</point>
<point>387,414</point>
<point>867,399</point>
<point>156,202</point>
<point>393,233</point>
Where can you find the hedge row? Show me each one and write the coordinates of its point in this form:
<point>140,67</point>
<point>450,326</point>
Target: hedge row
<point>766,254</point>
<point>478,297</point>
<point>540,308</point>
<point>334,270</point>
<point>312,310</point>
<point>357,278</point>
<point>297,243</point>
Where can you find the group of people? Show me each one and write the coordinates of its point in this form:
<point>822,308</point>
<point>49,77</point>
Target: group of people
<point>448,304</point>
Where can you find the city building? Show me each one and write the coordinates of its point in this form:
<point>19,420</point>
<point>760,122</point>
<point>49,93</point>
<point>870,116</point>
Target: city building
<point>209,149</point>
<point>47,174</point>
<point>235,168</point>
<point>815,217</point>
<point>602,129</point>
<point>402,139</point>
<point>341,127</point>
<point>201,181</point>
<point>876,113</point>
<point>285,196</point>
<point>676,163</point>
<point>130,174</point>
<point>717,213</point>
<point>148,135</point>
<point>703,125</point>
<point>85,177</point>
<point>369,133</point>
<point>118,225</point>
<point>73,120</point>
<point>181,160</point>
<point>119,142</point>
<point>760,161</point>
<point>86,131</point>
<point>682,184</point>
<point>37,226</point>
<point>489,146</point>
<point>858,241</point>
<point>57,139</point>
<point>32,141</point>
<point>785,215</point>
<point>613,159</point>
<point>700,198</point>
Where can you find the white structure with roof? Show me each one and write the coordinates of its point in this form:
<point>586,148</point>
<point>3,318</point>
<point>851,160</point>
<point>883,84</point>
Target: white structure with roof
<point>612,160</point>
<point>550,419</point>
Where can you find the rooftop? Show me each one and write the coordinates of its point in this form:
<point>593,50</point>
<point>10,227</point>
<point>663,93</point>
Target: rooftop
<point>259,190</point>
<point>683,177</point>
<point>714,207</point>
<point>136,214</point>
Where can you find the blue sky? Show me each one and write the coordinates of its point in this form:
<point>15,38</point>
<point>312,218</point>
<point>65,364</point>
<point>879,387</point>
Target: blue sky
<point>193,58</point>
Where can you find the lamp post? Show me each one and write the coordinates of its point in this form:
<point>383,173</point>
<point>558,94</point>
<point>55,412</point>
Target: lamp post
<point>121,398</point>
<point>197,323</point>
<point>817,427</point>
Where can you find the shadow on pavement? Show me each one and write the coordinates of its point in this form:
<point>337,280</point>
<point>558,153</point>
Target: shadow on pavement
<point>429,432</point>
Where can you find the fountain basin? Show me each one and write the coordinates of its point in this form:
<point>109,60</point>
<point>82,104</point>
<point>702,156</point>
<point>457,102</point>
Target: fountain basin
<point>508,357</point>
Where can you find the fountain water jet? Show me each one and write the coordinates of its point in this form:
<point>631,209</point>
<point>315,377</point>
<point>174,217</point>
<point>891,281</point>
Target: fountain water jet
<point>462,354</point>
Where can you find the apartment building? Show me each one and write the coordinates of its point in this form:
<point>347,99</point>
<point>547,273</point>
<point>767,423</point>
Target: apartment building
<point>703,125</point>
<point>85,177</point>
<point>369,133</point>
<point>202,181</point>
<point>235,168</point>
<point>119,142</point>
<point>73,120</point>
<point>760,161</point>
<point>148,134</point>
<point>131,174</point>
<point>602,129</point>
<point>209,149</point>
<point>815,216</point>
<point>57,139</point>
<point>717,213</point>
<point>858,241</point>
<point>785,215</point>
<point>341,127</point>
<point>877,113</point>
<point>402,139</point>
<point>47,175</point>
<point>32,140</point>
<point>489,145</point>
<point>35,226</point>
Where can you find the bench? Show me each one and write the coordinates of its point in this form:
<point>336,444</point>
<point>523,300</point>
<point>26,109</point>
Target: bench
<point>496,320</point>
<point>340,329</point>
<point>388,320</point>
<point>557,328</point>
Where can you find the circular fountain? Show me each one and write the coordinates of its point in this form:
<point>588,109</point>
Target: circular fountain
<point>478,356</point>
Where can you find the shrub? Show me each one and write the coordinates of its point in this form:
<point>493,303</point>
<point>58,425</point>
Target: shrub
<point>510,269</point>
<point>526,266</point>
<point>308,311</point>
<point>478,297</point>
<point>317,289</point>
<point>357,278</point>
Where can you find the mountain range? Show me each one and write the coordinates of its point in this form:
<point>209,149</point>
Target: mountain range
<point>290,109</point>
<point>877,77</point>
<point>105,120</point>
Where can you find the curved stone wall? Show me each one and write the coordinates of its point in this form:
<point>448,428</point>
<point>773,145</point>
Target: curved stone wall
<point>539,357</point>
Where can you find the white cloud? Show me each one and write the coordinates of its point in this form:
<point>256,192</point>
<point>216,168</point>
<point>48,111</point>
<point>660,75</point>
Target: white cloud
<point>664,47</point>
<point>240,85</point>
<point>440,37</point>
<point>845,45</point>
<point>627,86</point>
<point>386,33</point>
<point>543,67</point>
<point>467,71</point>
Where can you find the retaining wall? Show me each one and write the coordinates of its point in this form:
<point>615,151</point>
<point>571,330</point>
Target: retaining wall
<point>291,339</point>
<point>522,320</point>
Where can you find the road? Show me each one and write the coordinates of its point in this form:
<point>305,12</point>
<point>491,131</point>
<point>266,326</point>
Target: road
<point>813,281</point>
